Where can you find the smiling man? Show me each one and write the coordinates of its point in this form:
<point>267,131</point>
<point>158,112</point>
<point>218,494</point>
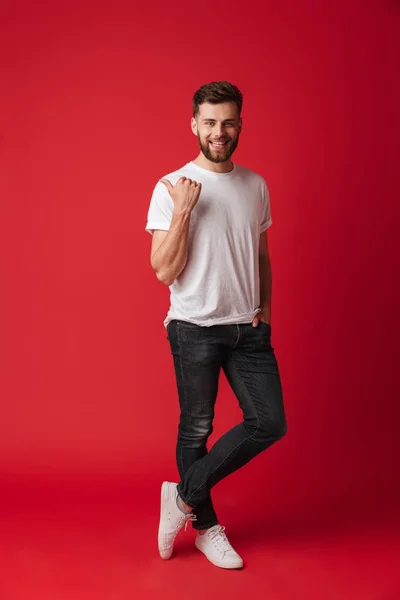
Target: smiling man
<point>209,220</point>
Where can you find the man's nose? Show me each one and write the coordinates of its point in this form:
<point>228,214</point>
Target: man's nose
<point>219,129</point>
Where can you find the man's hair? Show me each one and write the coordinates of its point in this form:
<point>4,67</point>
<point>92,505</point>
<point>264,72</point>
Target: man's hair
<point>217,92</point>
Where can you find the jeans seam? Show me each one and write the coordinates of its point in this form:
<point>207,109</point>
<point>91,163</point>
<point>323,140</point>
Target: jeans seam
<point>184,390</point>
<point>237,446</point>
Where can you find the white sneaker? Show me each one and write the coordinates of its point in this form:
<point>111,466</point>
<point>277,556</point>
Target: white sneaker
<point>216,547</point>
<point>172,519</point>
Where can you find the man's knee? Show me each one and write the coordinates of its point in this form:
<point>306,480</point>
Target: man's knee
<point>274,430</point>
<point>269,431</point>
<point>280,429</point>
<point>195,432</point>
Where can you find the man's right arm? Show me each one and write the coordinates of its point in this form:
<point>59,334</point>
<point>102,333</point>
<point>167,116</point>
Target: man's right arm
<point>169,248</point>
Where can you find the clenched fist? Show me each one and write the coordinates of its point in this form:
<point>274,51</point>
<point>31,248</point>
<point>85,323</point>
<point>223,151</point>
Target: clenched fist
<point>185,193</point>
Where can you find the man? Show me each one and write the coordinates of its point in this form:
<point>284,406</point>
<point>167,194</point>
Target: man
<point>209,222</point>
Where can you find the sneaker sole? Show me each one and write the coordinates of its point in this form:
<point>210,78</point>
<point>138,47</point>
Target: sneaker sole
<point>165,554</point>
<point>220,563</point>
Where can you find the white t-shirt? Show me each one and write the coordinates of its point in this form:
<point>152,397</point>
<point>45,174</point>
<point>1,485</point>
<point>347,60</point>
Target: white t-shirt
<point>220,283</point>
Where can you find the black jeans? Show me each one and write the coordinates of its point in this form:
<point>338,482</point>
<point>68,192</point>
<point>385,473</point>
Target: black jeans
<point>247,358</point>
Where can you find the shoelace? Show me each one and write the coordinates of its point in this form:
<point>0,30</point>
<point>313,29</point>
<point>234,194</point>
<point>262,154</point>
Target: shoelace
<point>190,517</point>
<point>219,539</point>
<point>185,519</point>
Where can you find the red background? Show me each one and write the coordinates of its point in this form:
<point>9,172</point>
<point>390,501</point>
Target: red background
<point>95,106</point>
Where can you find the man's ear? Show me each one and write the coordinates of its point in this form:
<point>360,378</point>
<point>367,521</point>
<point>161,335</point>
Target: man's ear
<point>240,124</point>
<point>193,124</point>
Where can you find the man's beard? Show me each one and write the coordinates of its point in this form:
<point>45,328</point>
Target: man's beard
<point>216,156</point>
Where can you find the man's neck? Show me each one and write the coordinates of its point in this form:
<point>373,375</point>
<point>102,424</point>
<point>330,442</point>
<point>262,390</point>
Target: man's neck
<point>204,163</point>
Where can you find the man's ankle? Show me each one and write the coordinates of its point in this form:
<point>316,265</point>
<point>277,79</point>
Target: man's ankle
<point>185,508</point>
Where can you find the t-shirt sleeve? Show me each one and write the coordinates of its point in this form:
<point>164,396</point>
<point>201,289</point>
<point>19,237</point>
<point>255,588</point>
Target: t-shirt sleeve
<point>266,220</point>
<point>160,210</point>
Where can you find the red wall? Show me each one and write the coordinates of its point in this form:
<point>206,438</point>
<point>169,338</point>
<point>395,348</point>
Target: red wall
<point>95,106</point>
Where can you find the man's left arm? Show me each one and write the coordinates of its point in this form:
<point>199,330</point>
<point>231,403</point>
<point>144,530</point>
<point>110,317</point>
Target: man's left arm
<point>265,282</point>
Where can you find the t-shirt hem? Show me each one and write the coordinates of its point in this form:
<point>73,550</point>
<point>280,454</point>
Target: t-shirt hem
<point>231,320</point>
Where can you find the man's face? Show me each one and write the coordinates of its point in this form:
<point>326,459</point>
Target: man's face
<point>217,127</point>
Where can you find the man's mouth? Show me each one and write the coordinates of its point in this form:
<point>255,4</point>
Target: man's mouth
<point>219,145</point>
